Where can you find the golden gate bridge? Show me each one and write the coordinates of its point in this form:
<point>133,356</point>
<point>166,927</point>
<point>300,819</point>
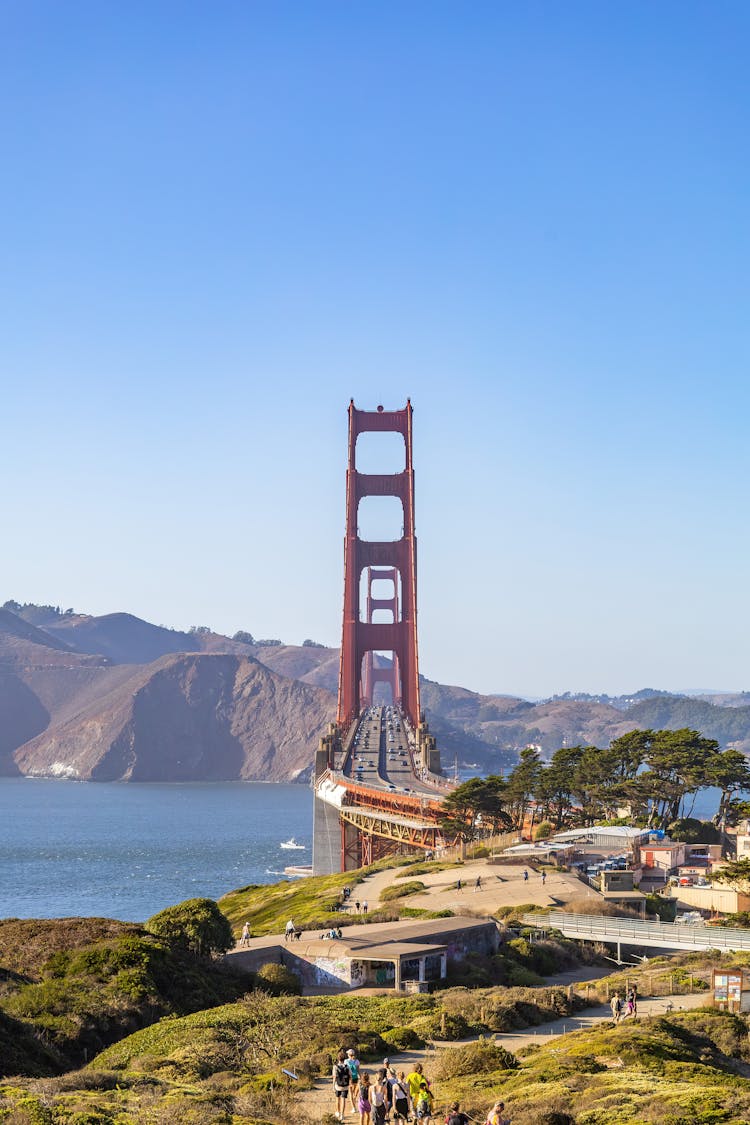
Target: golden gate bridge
<point>378,780</point>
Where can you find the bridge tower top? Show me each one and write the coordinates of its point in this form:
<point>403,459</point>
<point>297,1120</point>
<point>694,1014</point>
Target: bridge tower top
<point>392,561</point>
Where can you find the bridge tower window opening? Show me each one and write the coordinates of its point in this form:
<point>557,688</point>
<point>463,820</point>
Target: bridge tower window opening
<point>383,452</point>
<point>380,519</point>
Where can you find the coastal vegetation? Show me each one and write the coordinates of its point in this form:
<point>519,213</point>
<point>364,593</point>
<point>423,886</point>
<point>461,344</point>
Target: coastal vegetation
<point>655,774</point>
<point>224,1066</point>
<point>106,1023</point>
<point>69,990</point>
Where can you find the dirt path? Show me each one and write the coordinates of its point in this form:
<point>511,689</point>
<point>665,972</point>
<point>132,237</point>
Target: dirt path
<point>318,1102</point>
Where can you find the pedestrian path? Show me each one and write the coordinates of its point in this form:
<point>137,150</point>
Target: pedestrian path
<point>319,1101</point>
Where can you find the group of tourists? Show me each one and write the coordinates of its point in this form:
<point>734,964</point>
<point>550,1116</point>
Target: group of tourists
<point>622,1008</point>
<point>389,1096</point>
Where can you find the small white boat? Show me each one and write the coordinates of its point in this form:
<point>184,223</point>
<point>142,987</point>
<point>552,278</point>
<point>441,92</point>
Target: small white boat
<point>291,845</point>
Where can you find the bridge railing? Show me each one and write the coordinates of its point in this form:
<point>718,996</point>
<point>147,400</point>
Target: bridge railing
<point>635,932</point>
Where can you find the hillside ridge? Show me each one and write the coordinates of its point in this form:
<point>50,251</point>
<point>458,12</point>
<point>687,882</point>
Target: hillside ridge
<point>115,697</point>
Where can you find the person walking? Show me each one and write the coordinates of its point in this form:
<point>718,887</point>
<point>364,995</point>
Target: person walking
<point>616,1006</point>
<point>415,1080</point>
<point>478,884</point>
<point>455,1117</point>
<point>544,877</point>
<point>364,1105</point>
<point>525,875</point>
<point>379,1098</point>
<point>364,907</point>
<point>245,938</point>
<point>496,1115</point>
<point>341,1082</point>
<point>401,1099</point>
<point>425,1101</point>
<point>289,931</point>
<point>356,906</point>
<point>390,1081</point>
<point>459,886</point>
<point>633,999</point>
<point>631,1007</point>
<point>353,1063</point>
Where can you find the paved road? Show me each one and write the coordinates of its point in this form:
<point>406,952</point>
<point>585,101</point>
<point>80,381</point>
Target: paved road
<point>381,757</point>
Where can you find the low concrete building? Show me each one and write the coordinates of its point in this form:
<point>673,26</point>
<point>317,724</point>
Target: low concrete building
<point>617,888</point>
<point>397,955</point>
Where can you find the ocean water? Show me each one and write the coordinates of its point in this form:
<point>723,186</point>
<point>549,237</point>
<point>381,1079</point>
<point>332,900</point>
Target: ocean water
<point>128,851</point>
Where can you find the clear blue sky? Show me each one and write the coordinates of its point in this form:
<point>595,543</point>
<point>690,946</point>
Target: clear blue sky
<point>219,221</point>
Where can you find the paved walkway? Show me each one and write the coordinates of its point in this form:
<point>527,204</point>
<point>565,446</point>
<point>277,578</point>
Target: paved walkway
<point>319,1101</point>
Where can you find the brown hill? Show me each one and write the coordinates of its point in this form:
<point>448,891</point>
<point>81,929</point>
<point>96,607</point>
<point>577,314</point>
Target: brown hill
<point>11,625</point>
<point>187,717</point>
<point>115,697</point>
<point>311,664</point>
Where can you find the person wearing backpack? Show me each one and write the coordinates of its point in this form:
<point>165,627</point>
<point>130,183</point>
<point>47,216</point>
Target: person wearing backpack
<point>400,1090</point>
<point>424,1104</point>
<point>341,1080</point>
<point>455,1117</point>
<point>379,1098</point>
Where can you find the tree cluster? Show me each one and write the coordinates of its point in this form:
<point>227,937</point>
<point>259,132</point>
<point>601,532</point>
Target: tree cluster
<point>656,774</point>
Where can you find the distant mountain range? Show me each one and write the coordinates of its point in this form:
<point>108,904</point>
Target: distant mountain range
<point>116,698</point>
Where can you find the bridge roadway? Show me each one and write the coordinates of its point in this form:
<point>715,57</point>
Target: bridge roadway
<point>381,755</point>
<point>623,931</point>
<point>378,790</point>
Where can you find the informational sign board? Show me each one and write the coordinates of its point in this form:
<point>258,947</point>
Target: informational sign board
<point>731,989</point>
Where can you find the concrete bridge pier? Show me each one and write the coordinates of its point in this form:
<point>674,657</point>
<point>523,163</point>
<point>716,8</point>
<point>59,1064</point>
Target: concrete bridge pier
<point>326,857</point>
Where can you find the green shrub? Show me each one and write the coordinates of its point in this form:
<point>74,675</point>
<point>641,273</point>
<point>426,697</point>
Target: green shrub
<point>520,976</point>
<point>664,908</point>
<point>441,1025</point>
<point>196,924</point>
<point>278,980</point>
<point>482,1057</point>
<point>418,912</point>
<point>544,830</point>
<point>401,890</point>
<point>404,1039</point>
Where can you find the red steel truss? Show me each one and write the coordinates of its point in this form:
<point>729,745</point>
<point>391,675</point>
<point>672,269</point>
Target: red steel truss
<point>399,636</point>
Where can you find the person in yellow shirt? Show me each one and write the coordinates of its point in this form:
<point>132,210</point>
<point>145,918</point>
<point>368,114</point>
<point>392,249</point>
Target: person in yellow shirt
<point>415,1080</point>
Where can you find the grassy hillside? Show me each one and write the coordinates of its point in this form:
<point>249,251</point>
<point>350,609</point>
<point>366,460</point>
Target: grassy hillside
<point>689,1069</point>
<point>222,1067</point>
<point>73,997</point>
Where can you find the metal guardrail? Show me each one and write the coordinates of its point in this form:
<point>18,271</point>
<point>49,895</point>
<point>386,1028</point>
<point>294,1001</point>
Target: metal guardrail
<point>664,935</point>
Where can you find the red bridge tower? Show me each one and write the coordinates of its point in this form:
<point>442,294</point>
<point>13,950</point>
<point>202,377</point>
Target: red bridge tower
<point>362,637</point>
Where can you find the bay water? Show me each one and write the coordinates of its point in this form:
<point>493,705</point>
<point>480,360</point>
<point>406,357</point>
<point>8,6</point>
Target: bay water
<point>129,850</point>
<point>126,851</point>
